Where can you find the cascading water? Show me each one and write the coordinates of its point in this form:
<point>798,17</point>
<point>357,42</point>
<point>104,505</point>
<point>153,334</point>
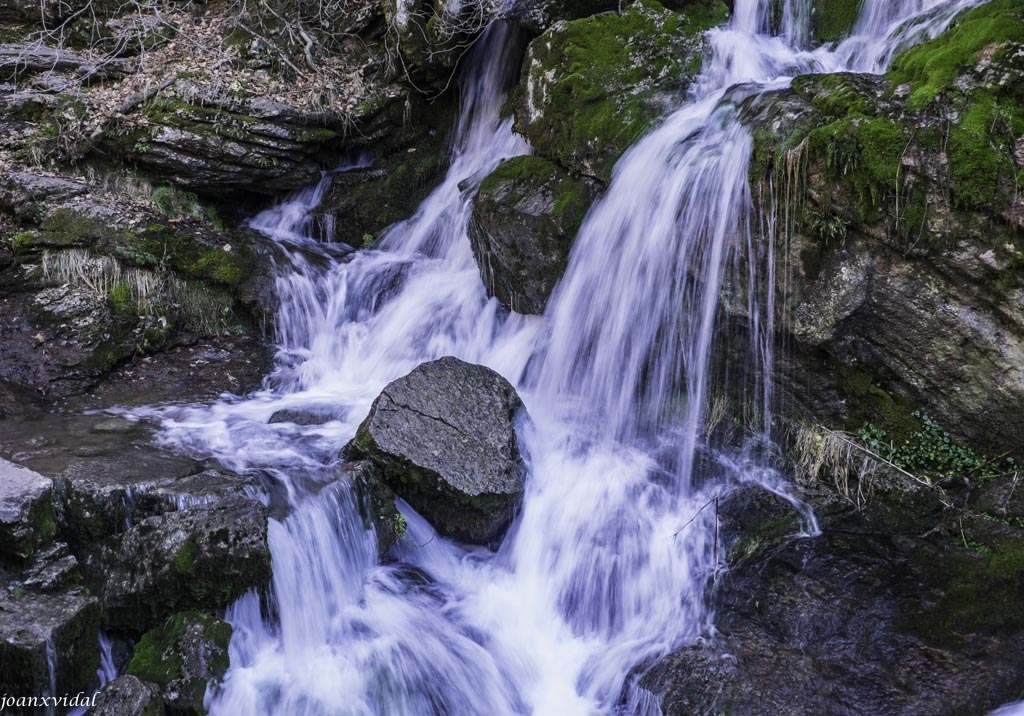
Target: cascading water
<point>608,563</point>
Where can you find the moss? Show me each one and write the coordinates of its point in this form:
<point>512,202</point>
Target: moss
<point>526,169</point>
<point>172,654</point>
<point>44,522</point>
<point>119,297</point>
<point>185,558</point>
<point>984,591</point>
<point>600,82</point>
<point>765,535</point>
<point>836,95</point>
<point>72,227</point>
<point>833,19</point>
<point>159,246</point>
<point>868,402</point>
<point>933,67</point>
<point>24,241</point>
<point>981,149</point>
<point>865,154</point>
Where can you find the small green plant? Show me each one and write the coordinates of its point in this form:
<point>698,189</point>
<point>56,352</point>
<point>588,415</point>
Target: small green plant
<point>120,297</point>
<point>368,241</point>
<point>827,227</point>
<point>928,451</point>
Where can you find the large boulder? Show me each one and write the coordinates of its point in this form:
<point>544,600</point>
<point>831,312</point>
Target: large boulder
<point>445,437</point>
<point>203,557</point>
<point>26,514</point>
<point>591,87</point>
<point>44,636</point>
<point>525,218</point>
<point>182,657</point>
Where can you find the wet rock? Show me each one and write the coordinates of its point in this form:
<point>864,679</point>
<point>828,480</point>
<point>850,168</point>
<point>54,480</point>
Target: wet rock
<point>361,203</point>
<point>53,569</point>
<point>203,557</point>
<point>182,657</point>
<point>378,502</point>
<point>303,416</point>
<point>128,696</point>
<point>26,516</point>
<point>40,630</point>
<point>445,438</point>
<point>591,87</point>
<point>525,218</point>
<point>843,623</point>
<point>107,475</point>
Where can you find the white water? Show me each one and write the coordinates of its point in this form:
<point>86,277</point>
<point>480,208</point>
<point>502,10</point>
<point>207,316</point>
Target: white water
<point>607,566</point>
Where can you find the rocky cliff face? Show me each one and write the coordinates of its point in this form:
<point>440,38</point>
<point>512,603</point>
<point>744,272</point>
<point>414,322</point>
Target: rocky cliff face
<point>903,243</point>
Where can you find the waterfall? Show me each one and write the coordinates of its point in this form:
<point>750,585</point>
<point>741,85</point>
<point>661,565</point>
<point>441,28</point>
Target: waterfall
<point>608,564</point>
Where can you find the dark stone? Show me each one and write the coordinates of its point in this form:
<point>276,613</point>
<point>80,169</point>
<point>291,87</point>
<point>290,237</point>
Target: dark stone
<point>182,657</point>
<point>63,625</point>
<point>378,502</point>
<point>525,218</point>
<point>203,557</point>
<point>841,624</point>
<point>26,516</point>
<point>128,696</point>
<point>445,437</point>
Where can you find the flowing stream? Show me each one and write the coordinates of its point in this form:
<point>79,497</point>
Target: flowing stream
<point>608,564</point>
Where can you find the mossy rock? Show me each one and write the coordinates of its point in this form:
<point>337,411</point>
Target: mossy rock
<point>933,68</point>
<point>591,87</point>
<point>525,218</point>
<point>182,656</point>
<point>364,202</point>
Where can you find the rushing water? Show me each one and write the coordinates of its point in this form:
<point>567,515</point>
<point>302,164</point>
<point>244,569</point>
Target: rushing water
<point>609,561</point>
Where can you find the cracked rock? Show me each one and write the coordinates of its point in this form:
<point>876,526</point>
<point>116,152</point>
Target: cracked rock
<point>445,437</point>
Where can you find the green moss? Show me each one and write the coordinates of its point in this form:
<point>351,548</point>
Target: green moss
<point>933,67</point>
<point>526,169</point>
<point>600,81</point>
<point>763,536</point>
<point>836,95</point>
<point>158,658</point>
<point>981,149</point>
<point>185,558</point>
<point>867,402</point>
<point>833,19</point>
<point>159,246</point>
<point>120,298</point>
<point>23,241</point>
<point>864,153</point>
<point>984,592</point>
<point>72,227</point>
